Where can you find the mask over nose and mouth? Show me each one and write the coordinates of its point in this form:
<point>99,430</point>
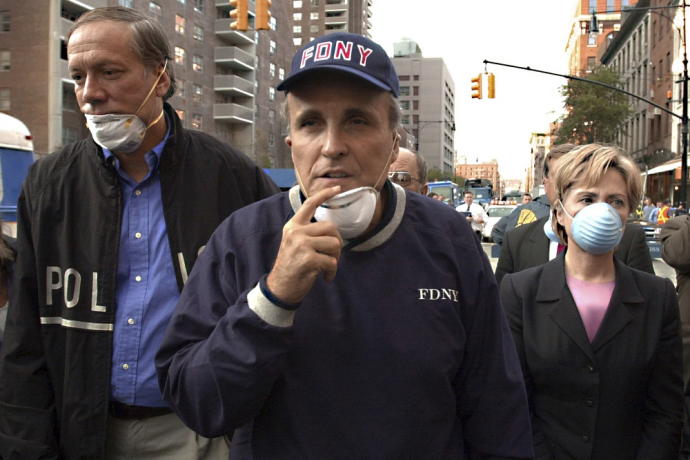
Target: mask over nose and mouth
<point>122,132</point>
<point>597,228</point>
<point>352,211</point>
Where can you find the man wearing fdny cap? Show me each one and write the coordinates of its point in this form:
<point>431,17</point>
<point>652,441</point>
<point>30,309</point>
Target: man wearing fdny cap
<point>346,318</point>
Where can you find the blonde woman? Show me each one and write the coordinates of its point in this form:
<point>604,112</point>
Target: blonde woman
<point>599,342</point>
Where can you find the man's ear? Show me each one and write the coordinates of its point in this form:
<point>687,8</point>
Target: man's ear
<point>288,141</point>
<point>424,190</point>
<point>163,84</point>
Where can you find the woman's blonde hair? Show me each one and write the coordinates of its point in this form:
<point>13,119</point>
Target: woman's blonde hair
<point>586,165</point>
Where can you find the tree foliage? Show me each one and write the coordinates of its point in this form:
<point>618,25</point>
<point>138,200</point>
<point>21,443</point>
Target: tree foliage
<point>435,174</point>
<point>594,113</point>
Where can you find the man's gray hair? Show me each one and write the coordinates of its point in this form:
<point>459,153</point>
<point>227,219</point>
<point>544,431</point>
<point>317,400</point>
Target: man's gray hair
<point>149,41</point>
<point>394,113</point>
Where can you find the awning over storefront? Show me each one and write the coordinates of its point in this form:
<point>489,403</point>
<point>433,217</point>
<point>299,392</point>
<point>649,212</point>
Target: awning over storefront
<point>670,166</point>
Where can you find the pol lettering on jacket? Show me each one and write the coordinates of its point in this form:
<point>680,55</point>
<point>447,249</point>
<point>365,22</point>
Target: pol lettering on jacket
<point>342,51</point>
<point>71,276</point>
<point>438,294</point>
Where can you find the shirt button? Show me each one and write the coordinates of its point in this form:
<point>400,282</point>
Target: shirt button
<point>137,234</point>
<point>585,438</point>
<point>137,192</point>
<point>130,321</point>
<point>138,278</point>
<point>590,367</point>
<point>590,402</point>
<point>125,366</point>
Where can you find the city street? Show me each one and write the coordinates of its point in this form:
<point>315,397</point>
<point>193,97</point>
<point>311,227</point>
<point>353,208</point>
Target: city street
<point>660,266</point>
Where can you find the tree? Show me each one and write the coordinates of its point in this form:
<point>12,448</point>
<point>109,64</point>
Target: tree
<point>435,174</point>
<point>595,113</point>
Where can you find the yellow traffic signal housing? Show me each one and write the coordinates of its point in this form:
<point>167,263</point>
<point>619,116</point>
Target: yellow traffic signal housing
<point>477,87</point>
<point>492,88</point>
<point>241,14</point>
<point>263,16</point>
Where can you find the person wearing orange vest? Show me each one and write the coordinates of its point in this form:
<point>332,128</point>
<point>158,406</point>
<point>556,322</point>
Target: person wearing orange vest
<point>663,212</point>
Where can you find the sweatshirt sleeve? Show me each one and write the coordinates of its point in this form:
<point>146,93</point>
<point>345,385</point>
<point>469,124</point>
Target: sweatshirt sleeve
<point>494,408</point>
<point>225,345</point>
<point>675,243</point>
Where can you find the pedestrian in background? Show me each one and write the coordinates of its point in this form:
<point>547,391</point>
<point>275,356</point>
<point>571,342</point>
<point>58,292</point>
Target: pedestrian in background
<point>664,212</point>
<point>474,213</point>
<point>526,198</point>
<point>599,342</point>
<point>410,171</point>
<point>648,208</point>
<point>108,230</point>
<point>654,215</point>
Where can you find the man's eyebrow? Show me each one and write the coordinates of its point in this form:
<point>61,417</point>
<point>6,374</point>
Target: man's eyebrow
<point>357,112</point>
<point>306,114</point>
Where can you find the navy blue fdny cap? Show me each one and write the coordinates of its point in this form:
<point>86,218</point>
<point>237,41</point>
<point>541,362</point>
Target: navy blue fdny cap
<point>344,52</point>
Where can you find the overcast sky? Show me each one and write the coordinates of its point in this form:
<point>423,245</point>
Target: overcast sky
<point>465,33</point>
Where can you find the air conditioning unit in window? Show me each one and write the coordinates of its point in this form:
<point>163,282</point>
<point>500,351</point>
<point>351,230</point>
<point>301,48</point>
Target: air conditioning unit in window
<point>657,111</point>
<point>651,93</point>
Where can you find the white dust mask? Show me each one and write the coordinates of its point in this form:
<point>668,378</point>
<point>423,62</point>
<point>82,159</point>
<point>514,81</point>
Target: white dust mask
<point>597,228</point>
<point>121,132</point>
<point>352,211</point>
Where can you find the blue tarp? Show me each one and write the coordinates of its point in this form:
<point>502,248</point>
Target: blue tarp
<point>284,178</point>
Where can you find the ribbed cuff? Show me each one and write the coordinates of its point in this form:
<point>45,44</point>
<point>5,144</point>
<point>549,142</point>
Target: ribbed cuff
<point>270,309</point>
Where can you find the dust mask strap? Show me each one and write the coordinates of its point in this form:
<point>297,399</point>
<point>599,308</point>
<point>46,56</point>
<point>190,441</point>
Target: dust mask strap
<point>165,66</point>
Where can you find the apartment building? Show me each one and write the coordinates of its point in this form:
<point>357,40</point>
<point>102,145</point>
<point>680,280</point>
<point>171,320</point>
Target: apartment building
<point>479,171</point>
<point>581,47</point>
<point>226,79</point>
<point>628,52</point>
<point>427,100</point>
<point>315,18</point>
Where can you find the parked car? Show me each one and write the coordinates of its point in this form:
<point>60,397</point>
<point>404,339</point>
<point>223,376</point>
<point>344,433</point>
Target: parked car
<point>652,230</point>
<point>495,212</point>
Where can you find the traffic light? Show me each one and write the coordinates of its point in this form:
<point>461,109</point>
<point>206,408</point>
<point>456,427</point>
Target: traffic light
<point>240,13</point>
<point>477,87</point>
<point>262,14</point>
<point>492,88</point>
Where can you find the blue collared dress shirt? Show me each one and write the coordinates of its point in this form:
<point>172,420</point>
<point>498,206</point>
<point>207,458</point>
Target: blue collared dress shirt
<point>147,291</point>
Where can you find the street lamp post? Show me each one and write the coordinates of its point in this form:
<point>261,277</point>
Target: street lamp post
<point>684,127</point>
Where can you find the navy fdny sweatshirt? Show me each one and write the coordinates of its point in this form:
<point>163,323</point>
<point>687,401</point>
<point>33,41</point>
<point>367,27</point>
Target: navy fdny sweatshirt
<point>406,354</point>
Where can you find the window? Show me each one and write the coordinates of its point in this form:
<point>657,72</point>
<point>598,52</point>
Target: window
<point>256,86</point>
<point>297,4</point>
<point>653,75</point>
<point>415,105</point>
<point>256,62</point>
<point>404,105</point>
<point>4,99</point>
<point>256,111</point>
<point>271,139</point>
<point>69,101</point>
<point>281,73</point>
<point>198,63</point>
<point>180,88</point>
<point>199,8</point>
<point>256,37</point>
<point>591,61</point>
<point>155,12</point>
<point>180,113</point>
<point>4,61</point>
<point>404,90</point>
<point>126,3</point>
<point>179,55</point>
<point>592,40</point>
<point>297,16</point>
<point>272,47</point>
<point>181,1</point>
<point>314,16</point>
<point>415,90</point>
<point>198,33</point>
<point>272,93</point>
<point>668,62</point>
<point>273,23</point>
<point>197,92</point>
<point>196,121</point>
<point>415,77</point>
<point>297,41</point>
<point>314,2</point>
<point>272,68</point>
<point>69,135</point>
<point>271,116</point>
<point>314,28</point>
<point>405,120</point>
<point>592,6</point>
<point>415,119</point>
<point>404,77</point>
<point>180,24</point>
<point>296,29</point>
<point>4,21</point>
<point>609,6</point>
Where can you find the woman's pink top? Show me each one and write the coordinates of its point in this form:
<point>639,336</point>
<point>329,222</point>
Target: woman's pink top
<point>592,300</point>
